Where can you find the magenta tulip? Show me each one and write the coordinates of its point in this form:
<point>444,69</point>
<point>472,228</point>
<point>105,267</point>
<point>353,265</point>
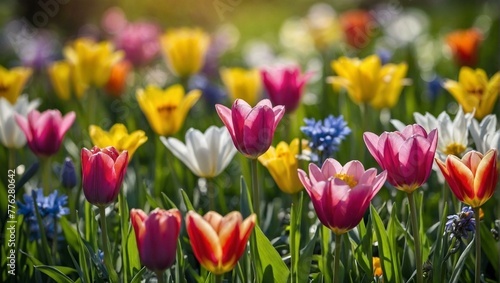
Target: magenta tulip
<point>102,174</point>
<point>407,156</point>
<point>45,131</point>
<point>284,86</point>
<point>252,129</point>
<point>156,236</point>
<point>341,195</point>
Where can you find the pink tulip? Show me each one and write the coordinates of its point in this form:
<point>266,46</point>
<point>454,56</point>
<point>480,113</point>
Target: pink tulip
<point>156,236</point>
<point>341,195</point>
<point>284,86</point>
<point>45,131</point>
<point>252,129</point>
<point>102,174</point>
<point>407,156</point>
<point>140,41</point>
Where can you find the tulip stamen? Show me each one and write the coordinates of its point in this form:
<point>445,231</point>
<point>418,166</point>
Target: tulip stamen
<point>454,149</point>
<point>4,87</point>
<point>166,110</point>
<point>348,179</point>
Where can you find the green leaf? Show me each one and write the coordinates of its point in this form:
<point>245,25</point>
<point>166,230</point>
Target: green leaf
<point>83,254</point>
<point>489,246</point>
<point>168,201</point>
<point>457,270</point>
<point>439,249</point>
<point>75,263</point>
<point>326,262</point>
<point>387,260</point>
<point>268,262</point>
<point>363,252</point>
<point>138,276</point>
<point>152,201</point>
<point>54,273</point>
<point>306,255</point>
<point>394,229</point>
<point>245,199</point>
<point>124,222</point>
<point>70,233</point>
<point>187,202</point>
<point>296,212</point>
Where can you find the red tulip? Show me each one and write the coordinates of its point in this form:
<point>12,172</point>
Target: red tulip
<point>218,242</point>
<point>284,86</point>
<point>473,178</point>
<point>156,236</point>
<point>341,194</point>
<point>102,174</point>
<point>407,156</point>
<point>359,27</point>
<point>45,131</point>
<point>252,129</point>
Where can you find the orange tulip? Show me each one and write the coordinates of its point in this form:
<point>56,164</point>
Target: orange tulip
<point>218,242</point>
<point>359,27</point>
<point>464,46</point>
<point>118,78</point>
<point>473,178</point>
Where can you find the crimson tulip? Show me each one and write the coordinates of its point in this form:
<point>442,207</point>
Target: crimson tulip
<point>407,155</point>
<point>473,178</point>
<point>218,242</point>
<point>341,194</point>
<point>284,86</point>
<point>45,131</point>
<point>103,170</point>
<point>156,236</point>
<point>251,129</point>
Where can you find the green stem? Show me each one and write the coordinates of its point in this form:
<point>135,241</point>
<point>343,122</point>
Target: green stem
<point>159,276</point>
<point>336,269</point>
<point>255,188</point>
<point>295,235</point>
<point>211,192</point>
<point>416,237</point>
<point>46,175</point>
<point>158,167</point>
<point>365,127</point>
<point>218,278</point>
<point>91,110</point>
<point>108,261</point>
<point>478,245</point>
<point>12,159</point>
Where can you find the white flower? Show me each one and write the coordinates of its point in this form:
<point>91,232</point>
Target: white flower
<point>11,135</point>
<point>485,135</point>
<point>205,154</point>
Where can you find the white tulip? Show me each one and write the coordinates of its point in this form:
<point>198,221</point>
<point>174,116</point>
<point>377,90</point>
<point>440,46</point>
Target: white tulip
<point>485,135</point>
<point>11,135</point>
<point>205,154</point>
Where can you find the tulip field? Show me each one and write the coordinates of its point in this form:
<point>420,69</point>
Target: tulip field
<point>250,141</point>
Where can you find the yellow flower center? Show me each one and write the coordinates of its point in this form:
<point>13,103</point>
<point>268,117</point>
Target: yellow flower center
<point>166,111</point>
<point>348,179</point>
<point>476,90</point>
<point>454,149</point>
<point>4,87</point>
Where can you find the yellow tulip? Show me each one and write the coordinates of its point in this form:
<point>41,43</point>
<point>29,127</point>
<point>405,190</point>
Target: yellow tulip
<point>166,109</point>
<point>474,91</point>
<point>118,137</point>
<point>185,50</point>
<point>367,81</point>
<point>92,61</point>
<point>64,80</point>
<point>12,82</point>
<point>282,164</point>
<point>243,84</point>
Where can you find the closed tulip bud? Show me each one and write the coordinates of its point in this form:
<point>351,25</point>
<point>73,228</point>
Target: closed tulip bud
<point>45,131</point>
<point>68,174</point>
<point>156,236</point>
<point>218,242</point>
<point>102,174</point>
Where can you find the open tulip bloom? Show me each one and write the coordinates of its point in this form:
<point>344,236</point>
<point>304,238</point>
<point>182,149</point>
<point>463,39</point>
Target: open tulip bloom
<point>11,135</point>
<point>156,237</point>
<point>407,155</point>
<point>205,154</point>
<point>102,174</point>
<point>252,129</point>
<point>341,194</point>
<point>218,242</point>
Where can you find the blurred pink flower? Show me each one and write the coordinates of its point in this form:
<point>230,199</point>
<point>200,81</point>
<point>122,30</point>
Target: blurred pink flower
<point>45,131</point>
<point>252,129</point>
<point>407,155</point>
<point>284,86</point>
<point>341,195</point>
<point>139,41</point>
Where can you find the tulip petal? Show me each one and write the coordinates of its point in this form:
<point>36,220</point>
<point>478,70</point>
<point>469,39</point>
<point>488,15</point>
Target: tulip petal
<point>181,152</point>
<point>204,241</point>
<point>486,176</point>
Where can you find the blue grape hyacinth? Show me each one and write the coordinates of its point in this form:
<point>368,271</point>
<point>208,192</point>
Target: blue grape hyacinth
<point>459,225</point>
<point>50,207</point>
<point>325,136</point>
